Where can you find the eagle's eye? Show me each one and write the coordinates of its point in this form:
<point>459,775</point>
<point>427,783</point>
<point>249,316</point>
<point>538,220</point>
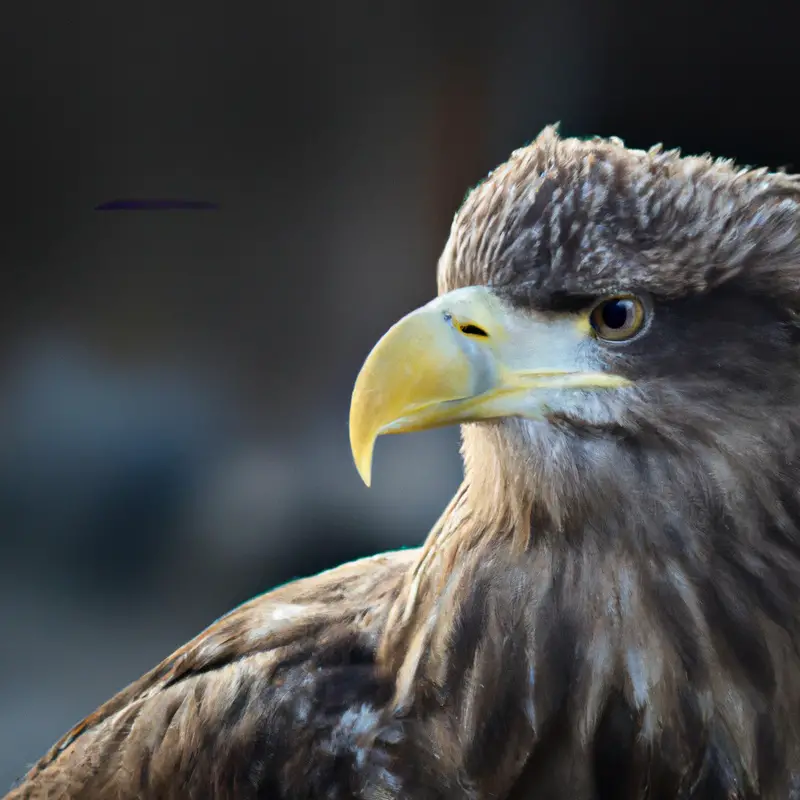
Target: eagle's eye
<point>618,318</point>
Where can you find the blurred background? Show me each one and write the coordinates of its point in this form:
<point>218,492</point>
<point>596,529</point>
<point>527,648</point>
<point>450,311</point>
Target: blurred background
<point>174,385</point>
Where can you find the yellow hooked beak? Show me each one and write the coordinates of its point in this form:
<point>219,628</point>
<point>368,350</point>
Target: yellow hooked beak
<point>463,357</point>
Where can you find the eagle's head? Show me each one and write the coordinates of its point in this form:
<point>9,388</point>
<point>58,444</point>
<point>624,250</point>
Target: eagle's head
<point>614,325</point>
<point>616,331</point>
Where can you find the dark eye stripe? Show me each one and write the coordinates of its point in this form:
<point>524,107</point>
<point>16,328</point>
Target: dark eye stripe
<point>529,296</point>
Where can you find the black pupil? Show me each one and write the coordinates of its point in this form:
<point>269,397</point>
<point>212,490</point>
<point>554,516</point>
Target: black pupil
<point>617,313</point>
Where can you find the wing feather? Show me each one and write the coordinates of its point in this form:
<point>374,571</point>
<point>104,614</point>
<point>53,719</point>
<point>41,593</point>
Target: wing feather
<point>237,710</point>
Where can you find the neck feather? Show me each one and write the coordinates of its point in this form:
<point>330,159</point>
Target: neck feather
<point>660,570</point>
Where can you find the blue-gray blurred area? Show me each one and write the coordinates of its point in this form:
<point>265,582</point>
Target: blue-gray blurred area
<point>174,385</point>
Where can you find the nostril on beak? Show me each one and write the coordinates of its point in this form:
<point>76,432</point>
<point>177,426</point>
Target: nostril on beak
<point>472,330</point>
<point>469,328</point>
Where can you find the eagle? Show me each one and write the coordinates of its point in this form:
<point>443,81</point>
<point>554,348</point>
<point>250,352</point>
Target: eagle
<point>609,607</point>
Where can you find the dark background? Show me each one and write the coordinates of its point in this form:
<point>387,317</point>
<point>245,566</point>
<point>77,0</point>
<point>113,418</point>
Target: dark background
<point>174,386</point>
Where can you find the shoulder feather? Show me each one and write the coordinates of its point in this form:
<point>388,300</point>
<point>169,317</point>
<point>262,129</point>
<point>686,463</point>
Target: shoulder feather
<point>215,711</point>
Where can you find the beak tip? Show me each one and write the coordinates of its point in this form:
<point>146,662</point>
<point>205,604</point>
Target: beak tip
<point>364,468</point>
<point>362,448</point>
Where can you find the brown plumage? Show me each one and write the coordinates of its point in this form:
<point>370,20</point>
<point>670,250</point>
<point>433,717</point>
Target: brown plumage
<point>609,607</point>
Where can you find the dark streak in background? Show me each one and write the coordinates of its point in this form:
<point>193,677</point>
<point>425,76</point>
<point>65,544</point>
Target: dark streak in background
<point>174,387</point>
<point>143,204</point>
